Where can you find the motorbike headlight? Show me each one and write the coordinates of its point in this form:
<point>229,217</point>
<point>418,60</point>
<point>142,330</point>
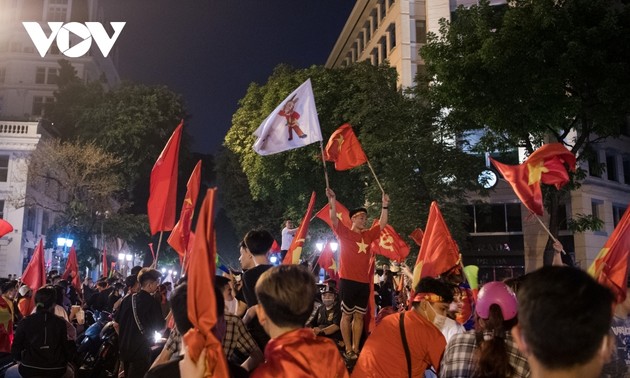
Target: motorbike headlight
<point>157,336</point>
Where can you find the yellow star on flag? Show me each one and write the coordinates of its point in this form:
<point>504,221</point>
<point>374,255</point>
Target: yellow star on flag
<point>340,216</point>
<point>362,246</point>
<point>535,172</point>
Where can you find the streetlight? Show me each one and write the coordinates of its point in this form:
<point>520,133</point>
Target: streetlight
<point>64,242</point>
<point>334,246</point>
<point>319,246</point>
<point>163,270</point>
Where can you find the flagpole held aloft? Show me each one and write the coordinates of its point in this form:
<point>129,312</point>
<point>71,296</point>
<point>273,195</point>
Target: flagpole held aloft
<point>321,146</point>
<point>157,252</point>
<point>548,232</point>
<point>376,178</point>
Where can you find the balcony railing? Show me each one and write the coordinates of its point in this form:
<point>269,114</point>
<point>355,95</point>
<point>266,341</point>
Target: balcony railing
<point>18,128</point>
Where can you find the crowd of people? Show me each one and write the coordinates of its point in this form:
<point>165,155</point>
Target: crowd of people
<point>279,322</point>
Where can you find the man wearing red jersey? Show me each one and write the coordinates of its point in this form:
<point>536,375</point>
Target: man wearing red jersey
<point>354,261</point>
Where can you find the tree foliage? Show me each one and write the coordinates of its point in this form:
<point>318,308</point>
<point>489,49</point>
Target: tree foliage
<point>532,72</point>
<point>396,134</point>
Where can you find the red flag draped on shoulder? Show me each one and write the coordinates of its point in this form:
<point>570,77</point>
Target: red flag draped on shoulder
<point>295,250</point>
<point>327,261</point>
<point>344,149</point>
<point>202,308</point>
<point>390,244</point>
<point>180,236</point>
<point>35,273</point>
<point>5,227</point>
<point>545,165</point>
<point>72,269</point>
<point>610,267</point>
<point>342,214</point>
<point>438,252</point>
<point>104,262</point>
<point>163,187</point>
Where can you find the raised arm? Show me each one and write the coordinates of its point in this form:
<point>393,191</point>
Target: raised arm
<point>384,211</point>
<point>333,210</point>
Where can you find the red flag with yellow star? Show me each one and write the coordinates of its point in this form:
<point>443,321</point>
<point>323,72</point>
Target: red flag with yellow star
<point>545,165</point>
<point>295,250</point>
<point>390,244</point>
<point>344,149</point>
<point>327,261</point>
<point>438,252</point>
<point>342,214</point>
<point>610,267</point>
<point>180,236</point>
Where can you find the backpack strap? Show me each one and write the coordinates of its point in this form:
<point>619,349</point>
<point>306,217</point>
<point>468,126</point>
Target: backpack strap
<point>403,336</point>
<point>135,313</point>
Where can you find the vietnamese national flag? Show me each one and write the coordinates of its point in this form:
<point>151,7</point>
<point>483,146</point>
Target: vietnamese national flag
<point>545,165</point>
<point>72,269</point>
<point>35,273</point>
<point>104,262</point>
<point>344,149</point>
<point>327,261</point>
<point>202,308</point>
<point>342,214</point>
<point>438,252</point>
<point>5,227</point>
<point>163,187</point>
<point>180,236</point>
<point>295,250</point>
<point>610,267</point>
<point>390,244</point>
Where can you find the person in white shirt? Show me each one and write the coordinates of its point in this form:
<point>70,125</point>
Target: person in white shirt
<point>288,232</point>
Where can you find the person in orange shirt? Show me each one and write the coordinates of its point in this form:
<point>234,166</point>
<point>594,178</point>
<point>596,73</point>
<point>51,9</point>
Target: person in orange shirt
<point>285,301</point>
<point>387,353</point>
<point>25,302</point>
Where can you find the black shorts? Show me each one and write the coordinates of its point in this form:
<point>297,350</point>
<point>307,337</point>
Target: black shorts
<point>354,296</point>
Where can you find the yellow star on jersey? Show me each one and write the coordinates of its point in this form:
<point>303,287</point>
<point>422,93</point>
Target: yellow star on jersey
<point>362,246</point>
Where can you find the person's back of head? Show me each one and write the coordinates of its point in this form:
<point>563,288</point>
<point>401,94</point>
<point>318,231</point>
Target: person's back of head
<point>135,270</point>
<point>148,275</point>
<point>258,242</point>
<point>564,319</point>
<point>46,298</point>
<point>286,294</point>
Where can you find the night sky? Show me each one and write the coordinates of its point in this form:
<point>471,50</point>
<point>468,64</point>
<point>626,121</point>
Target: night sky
<point>209,51</point>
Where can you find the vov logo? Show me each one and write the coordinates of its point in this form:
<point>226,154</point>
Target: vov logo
<point>61,33</point>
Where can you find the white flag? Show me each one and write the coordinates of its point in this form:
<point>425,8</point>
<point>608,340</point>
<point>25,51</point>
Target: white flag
<point>292,124</point>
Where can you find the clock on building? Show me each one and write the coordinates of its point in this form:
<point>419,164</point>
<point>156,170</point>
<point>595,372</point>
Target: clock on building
<point>487,178</point>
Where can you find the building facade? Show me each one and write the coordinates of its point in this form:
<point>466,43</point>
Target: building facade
<point>27,84</point>
<point>504,239</point>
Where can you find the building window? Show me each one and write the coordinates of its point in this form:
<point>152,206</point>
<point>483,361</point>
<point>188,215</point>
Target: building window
<point>360,44</point>
<point>381,10</point>
<point>611,167</point>
<point>493,218</point>
<point>373,22</point>
<point>368,32</point>
<point>40,104</point>
<point>421,31</point>
<point>625,162</point>
<point>618,211</point>
<point>391,31</point>
<point>594,165</point>
<point>57,10</point>
<point>596,209</point>
<point>4,168</point>
<point>30,219</point>
<point>45,222</point>
<point>45,75</point>
<point>374,57</point>
<point>1,209</point>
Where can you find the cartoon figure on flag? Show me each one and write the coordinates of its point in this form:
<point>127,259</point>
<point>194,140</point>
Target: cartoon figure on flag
<point>272,132</point>
<point>289,113</point>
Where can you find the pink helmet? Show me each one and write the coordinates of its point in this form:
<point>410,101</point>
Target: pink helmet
<point>496,293</point>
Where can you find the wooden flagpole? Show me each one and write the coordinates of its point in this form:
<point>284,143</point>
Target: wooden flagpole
<point>321,146</point>
<point>157,252</point>
<point>376,178</point>
<point>548,232</point>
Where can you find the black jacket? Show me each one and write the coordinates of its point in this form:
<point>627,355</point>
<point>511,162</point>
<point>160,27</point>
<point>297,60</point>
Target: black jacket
<point>41,342</point>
